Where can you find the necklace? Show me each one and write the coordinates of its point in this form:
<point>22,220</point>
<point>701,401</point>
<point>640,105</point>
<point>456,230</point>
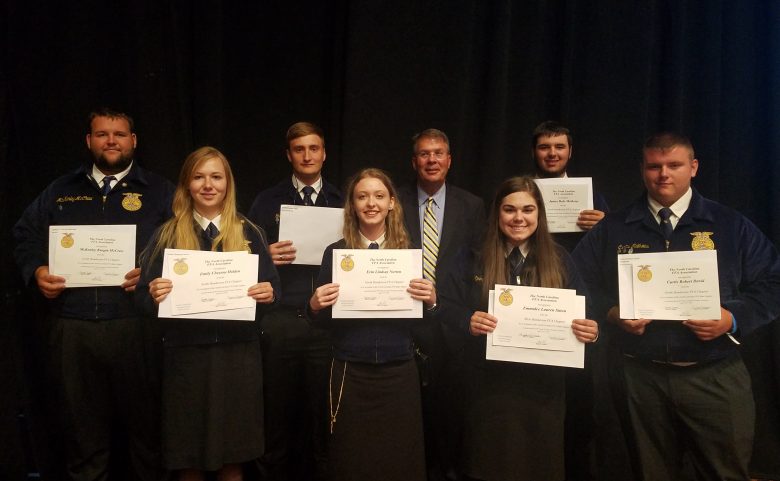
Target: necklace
<point>334,413</point>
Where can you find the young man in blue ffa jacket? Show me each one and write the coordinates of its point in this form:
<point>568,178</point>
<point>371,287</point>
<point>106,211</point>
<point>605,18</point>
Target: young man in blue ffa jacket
<point>102,349</point>
<point>296,356</point>
<point>687,389</point>
<point>444,221</point>
<point>552,147</point>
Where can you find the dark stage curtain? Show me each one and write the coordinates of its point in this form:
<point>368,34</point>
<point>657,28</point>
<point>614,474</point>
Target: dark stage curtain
<point>236,74</point>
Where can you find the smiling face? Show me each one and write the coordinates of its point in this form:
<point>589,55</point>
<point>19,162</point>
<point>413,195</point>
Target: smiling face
<point>111,143</point>
<point>208,186</point>
<point>371,202</point>
<point>552,154</point>
<point>431,161</point>
<point>518,217</point>
<point>668,172</point>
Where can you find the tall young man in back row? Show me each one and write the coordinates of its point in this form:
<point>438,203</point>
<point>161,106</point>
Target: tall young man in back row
<point>296,356</point>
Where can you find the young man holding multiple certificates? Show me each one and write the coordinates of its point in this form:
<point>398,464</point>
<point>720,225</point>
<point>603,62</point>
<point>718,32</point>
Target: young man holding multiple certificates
<point>682,278</point>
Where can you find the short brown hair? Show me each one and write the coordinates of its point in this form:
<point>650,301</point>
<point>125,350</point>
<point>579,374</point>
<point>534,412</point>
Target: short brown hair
<point>302,129</point>
<point>111,114</point>
<point>429,134</point>
<point>550,128</point>
<point>665,141</point>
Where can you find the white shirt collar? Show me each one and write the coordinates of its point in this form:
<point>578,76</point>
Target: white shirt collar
<point>98,175</point>
<point>364,242</point>
<point>524,249</point>
<point>678,208</point>
<point>203,222</point>
<point>299,184</point>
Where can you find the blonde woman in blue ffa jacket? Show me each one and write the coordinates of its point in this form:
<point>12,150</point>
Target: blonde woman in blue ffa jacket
<point>374,391</point>
<point>687,389</point>
<point>212,369</point>
<point>514,415</point>
<point>101,350</point>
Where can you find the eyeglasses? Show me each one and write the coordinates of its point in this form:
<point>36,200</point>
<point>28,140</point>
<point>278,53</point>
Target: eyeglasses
<point>425,155</point>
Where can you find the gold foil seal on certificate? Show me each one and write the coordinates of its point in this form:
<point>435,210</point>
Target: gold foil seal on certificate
<point>644,274</point>
<point>347,264</point>
<point>506,298</point>
<point>701,241</point>
<point>180,267</point>
<point>67,241</point>
<point>132,201</point>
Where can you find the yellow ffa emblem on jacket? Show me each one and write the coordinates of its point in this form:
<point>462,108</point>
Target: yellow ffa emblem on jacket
<point>644,274</point>
<point>347,264</point>
<point>132,201</point>
<point>506,297</point>
<point>67,241</point>
<point>180,267</point>
<point>701,241</point>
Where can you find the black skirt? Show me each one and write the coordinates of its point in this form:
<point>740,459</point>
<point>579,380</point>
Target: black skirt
<point>212,405</point>
<point>378,430</point>
<point>513,426</point>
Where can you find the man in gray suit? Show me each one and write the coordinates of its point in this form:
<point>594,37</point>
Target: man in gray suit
<point>435,214</point>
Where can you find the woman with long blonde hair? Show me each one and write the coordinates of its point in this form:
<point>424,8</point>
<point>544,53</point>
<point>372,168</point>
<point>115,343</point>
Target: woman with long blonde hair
<point>374,392</point>
<point>514,412</point>
<point>212,368</point>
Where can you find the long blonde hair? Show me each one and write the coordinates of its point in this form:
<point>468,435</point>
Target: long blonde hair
<point>179,231</point>
<point>396,236</point>
<point>543,266</point>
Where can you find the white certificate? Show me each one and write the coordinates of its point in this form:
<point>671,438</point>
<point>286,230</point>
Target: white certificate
<point>373,283</point>
<point>91,255</point>
<point>669,285</point>
<point>535,355</point>
<point>311,229</point>
<point>206,283</point>
<point>564,199</point>
<point>535,317</point>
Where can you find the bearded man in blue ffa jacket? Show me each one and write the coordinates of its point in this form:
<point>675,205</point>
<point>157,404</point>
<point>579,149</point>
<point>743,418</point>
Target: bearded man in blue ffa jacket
<point>296,356</point>
<point>102,348</point>
<point>686,386</point>
<point>443,220</point>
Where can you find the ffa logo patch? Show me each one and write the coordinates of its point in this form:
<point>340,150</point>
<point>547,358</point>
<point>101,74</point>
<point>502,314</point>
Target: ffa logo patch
<point>701,241</point>
<point>347,264</point>
<point>506,298</point>
<point>132,201</point>
<point>180,267</point>
<point>67,241</point>
<point>644,274</point>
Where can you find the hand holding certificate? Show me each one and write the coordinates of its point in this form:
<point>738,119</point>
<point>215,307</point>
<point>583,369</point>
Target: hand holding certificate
<point>669,285</point>
<point>209,285</point>
<point>375,283</point>
<point>92,255</point>
<point>564,199</point>
<point>534,325</point>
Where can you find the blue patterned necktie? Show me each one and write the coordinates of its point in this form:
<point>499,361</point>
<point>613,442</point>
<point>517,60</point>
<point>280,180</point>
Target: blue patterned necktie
<point>666,224</point>
<point>515,260</point>
<point>307,192</point>
<point>373,245</point>
<point>107,184</point>
<point>212,232</point>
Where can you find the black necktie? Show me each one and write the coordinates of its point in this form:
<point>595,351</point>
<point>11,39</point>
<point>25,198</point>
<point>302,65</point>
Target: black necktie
<point>373,245</point>
<point>666,224</point>
<point>107,184</point>
<point>307,192</point>
<point>212,232</point>
<point>515,260</point>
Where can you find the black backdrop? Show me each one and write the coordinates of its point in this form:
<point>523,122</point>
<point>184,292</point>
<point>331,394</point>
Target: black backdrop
<point>372,73</point>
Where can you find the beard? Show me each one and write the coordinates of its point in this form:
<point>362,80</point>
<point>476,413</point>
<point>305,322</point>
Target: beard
<point>113,168</point>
